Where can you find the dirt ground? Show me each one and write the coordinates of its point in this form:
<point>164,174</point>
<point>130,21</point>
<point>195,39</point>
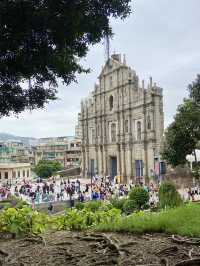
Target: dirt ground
<point>92,249</point>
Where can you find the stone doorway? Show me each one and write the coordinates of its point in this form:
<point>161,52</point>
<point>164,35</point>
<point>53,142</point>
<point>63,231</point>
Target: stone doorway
<point>113,166</point>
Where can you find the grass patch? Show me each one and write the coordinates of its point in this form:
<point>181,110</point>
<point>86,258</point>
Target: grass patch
<point>184,220</point>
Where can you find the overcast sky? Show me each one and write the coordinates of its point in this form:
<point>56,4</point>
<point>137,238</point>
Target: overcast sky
<point>159,40</point>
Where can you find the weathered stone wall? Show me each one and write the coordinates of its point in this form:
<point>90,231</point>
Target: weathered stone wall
<point>121,119</point>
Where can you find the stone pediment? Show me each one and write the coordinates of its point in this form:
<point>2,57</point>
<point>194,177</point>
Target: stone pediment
<point>112,63</point>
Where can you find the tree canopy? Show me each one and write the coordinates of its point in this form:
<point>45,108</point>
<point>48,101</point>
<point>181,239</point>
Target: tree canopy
<point>46,169</point>
<point>183,135</point>
<point>43,40</point>
<point>194,90</point>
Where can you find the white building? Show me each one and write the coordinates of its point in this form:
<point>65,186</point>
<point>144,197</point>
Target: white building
<point>11,172</point>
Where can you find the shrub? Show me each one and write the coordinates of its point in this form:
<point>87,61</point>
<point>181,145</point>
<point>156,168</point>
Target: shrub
<point>7,205</point>
<point>23,221</point>
<point>117,202</point>
<point>93,205</point>
<point>14,202</point>
<point>129,206</point>
<point>73,220</point>
<point>105,206</point>
<point>169,196</point>
<point>79,206</point>
<point>83,219</point>
<point>140,197</point>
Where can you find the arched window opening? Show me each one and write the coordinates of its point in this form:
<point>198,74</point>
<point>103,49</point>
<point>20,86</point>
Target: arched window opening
<point>139,131</point>
<point>148,122</point>
<point>111,81</point>
<point>98,130</point>
<point>111,102</point>
<point>113,132</point>
<point>93,137</point>
<point>126,126</point>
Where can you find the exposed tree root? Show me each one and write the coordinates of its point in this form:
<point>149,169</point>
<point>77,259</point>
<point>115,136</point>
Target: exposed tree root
<point>63,243</point>
<point>3,253</point>
<point>112,245</point>
<point>192,262</point>
<point>190,253</point>
<point>164,262</point>
<point>31,240</point>
<point>148,264</point>
<point>95,235</point>
<point>182,240</point>
<point>89,238</point>
<point>91,249</point>
<point>109,261</point>
<point>127,244</point>
<point>6,235</point>
<point>168,250</point>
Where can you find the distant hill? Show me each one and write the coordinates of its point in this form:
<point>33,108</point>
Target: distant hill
<point>25,140</point>
<point>28,141</point>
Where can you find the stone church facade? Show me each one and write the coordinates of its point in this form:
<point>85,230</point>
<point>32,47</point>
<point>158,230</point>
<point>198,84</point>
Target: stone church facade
<point>122,124</point>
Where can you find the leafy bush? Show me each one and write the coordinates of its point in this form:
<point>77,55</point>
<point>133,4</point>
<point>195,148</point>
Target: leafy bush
<point>83,219</point>
<point>129,206</point>
<point>6,205</point>
<point>17,202</point>
<point>14,202</point>
<point>79,206</point>
<point>93,205</point>
<point>73,220</point>
<point>105,206</point>
<point>169,196</point>
<point>140,197</point>
<point>23,221</point>
<point>117,202</point>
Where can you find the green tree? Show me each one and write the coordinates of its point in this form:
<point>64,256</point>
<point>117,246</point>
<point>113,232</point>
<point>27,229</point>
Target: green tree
<point>194,90</point>
<point>183,135</point>
<point>41,41</point>
<point>169,196</point>
<point>46,169</point>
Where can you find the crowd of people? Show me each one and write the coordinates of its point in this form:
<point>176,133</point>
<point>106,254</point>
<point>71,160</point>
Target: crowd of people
<point>36,192</point>
<point>103,188</point>
<point>98,188</point>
